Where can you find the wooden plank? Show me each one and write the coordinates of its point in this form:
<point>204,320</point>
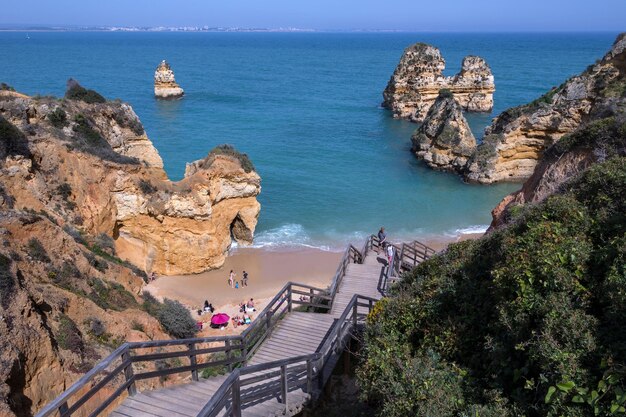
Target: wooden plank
<point>187,404</point>
<point>157,408</point>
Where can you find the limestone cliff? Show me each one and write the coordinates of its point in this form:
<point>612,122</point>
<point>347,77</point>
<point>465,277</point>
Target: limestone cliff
<point>165,85</point>
<point>517,138</point>
<point>570,156</point>
<point>418,78</point>
<point>92,165</point>
<point>82,186</point>
<point>444,140</point>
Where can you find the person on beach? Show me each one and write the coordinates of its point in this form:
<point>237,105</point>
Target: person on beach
<point>236,285</point>
<point>231,279</point>
<point>250,304</point>
<point>244,280</point>
<point>382,238</point>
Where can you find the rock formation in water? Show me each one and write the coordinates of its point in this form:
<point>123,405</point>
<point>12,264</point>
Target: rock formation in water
<point>444,140</point>
<point>517,138</point>
<point>418,78</point>
<point>165,85</point>
<point>82,186</point>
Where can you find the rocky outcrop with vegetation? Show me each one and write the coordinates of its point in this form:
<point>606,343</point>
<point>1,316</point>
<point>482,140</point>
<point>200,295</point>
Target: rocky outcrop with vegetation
<point>418,78</point>
<point>517,138</point>
<point>82,193</point>
<point>444,140</point>
<point>528,320</point>
<point>88,162</point>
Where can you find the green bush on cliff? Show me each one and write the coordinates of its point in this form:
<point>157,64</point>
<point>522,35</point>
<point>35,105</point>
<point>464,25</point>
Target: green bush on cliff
<point>69,336</point>
<point>77,92</point>
<point>7,284</point>
<point>12,140</point>
<point>526,321</point>
<point>58,118</point>
<point>229,150</point>
<point>6,87</point>
<point>173,316</point>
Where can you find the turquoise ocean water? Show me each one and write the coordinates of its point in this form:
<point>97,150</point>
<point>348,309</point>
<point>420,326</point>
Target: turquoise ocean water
<point>306,108</point>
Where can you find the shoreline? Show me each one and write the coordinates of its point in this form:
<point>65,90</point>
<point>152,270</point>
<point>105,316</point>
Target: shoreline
<point>269,270</point>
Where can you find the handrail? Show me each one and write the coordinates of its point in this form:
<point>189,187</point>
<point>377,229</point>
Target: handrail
<point>231,386</point>
<point>246,343</point>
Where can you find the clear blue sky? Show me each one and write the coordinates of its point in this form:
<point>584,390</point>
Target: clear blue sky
<point>409,15</point>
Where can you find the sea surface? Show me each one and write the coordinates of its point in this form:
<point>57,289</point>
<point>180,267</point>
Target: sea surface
<point>305,107</point>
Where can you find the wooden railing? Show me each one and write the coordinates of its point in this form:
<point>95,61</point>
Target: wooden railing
<point>406,256</point>
<point>126,366</point>
<point>292,373</point>
<point>351,255</point>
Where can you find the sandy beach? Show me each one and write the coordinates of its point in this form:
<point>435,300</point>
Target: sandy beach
<point>268,271</point>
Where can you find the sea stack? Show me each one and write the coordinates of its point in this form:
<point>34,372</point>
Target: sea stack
<point>444,141</point>
<point>165,86</point>
<point>515,142</point>
<point>416,81</point>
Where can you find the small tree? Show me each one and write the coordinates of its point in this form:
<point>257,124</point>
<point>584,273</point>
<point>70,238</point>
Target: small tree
<point>176,319</point>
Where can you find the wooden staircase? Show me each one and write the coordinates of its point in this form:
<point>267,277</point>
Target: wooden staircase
<point>275,367</point>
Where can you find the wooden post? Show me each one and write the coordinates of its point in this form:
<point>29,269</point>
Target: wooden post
<point>354,312</point>
<point>236,398</point>
<point>228,354</point>
<point>128,373</point>
<point>309,376</point>
<point>289,294</point>
<point>269,323</point>
<point>283,385</point>
<point>371,304</point>
<point>64,409</point>
<point>192,361</point>
<point>244,351</point>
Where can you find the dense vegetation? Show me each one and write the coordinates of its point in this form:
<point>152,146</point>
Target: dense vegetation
<point>530,320</point>
<point>228,150</point>
<point>173,316</point>
<point>77,92</point>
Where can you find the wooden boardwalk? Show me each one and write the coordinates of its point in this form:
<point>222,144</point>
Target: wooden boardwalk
<point>274,367</point>
<point>299,333</point>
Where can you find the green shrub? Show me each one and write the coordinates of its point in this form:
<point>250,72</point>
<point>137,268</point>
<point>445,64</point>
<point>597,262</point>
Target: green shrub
<point>228,150</point>
<point>69,336</point>
<point>58,118</point>
<point>7,283</point>
<point>106,243</point>
<point>173,316</point>
<point>110,295</point>
<point>84,129</point>
<point>528,320</point>
<point>12,140</point>
<point>207,373</point>
<point>96,327</point>
<point>132,123</point>
<point>445,93</point>
<point>6,87</point>
<point>37,251</point>
<point>77,92</point>
<point>146,187</point>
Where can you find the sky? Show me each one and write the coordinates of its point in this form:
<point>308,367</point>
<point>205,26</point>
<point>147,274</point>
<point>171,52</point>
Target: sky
<point>404,15</point>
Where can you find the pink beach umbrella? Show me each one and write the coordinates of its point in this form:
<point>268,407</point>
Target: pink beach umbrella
<point>220,319</point>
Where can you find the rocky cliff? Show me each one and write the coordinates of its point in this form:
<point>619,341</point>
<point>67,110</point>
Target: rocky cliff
<point>517,138</point>
<point>596,142</point>
<point>92,165</point>
<point>81,186</point>
<point>418,78</point>
<point>165,85</point>
<point>444,140</point>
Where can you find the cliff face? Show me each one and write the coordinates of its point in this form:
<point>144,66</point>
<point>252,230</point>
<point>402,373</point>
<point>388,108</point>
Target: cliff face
<point>573,154</point>
<point>81,186</point>
<point>93,165</point>
<point>444,140</point>
<point>165,85</point>
<point>418,78</point>
<point>518,137</point>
